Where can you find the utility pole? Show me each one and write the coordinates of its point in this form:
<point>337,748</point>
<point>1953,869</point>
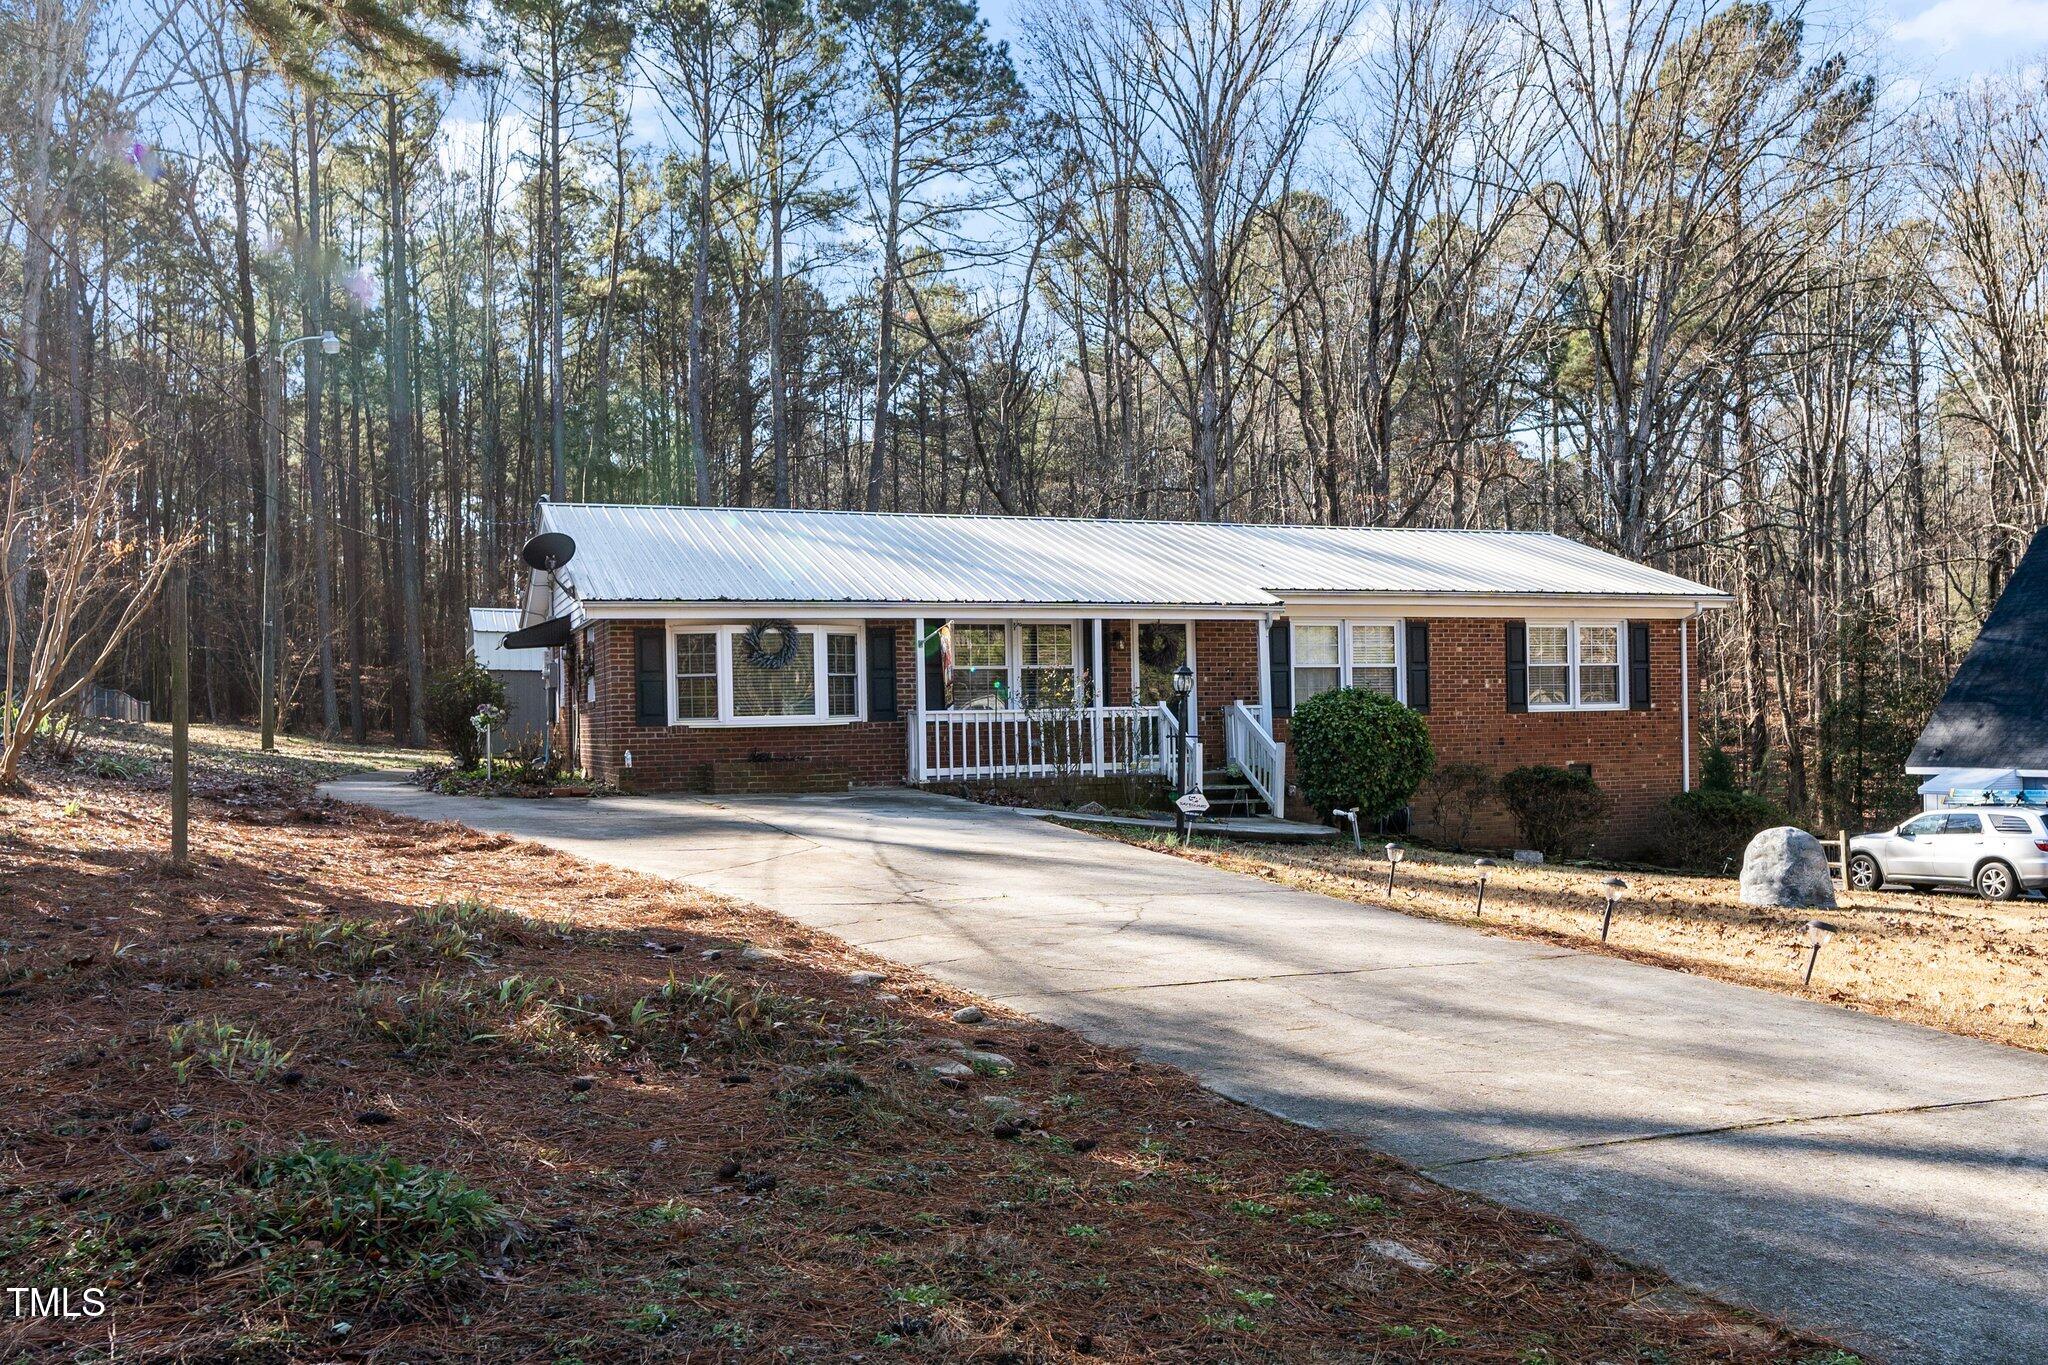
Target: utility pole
<point>181,717</point>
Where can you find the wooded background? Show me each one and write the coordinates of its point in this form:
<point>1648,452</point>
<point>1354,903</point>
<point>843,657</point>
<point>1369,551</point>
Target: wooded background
<point>1694,282</point>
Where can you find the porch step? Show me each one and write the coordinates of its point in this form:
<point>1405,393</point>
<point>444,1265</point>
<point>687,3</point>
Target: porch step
<point>1231,796</point>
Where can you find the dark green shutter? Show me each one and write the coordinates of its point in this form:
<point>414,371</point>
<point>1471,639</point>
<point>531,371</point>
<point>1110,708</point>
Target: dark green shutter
<point>1279,658</point>
<point>1085,696</point>
<point>650,677</point>
<point>1639,665</point>
<point>934,666</point>
<point>1418,665</point>
<point>881,672</point>
<point>1518,666</point>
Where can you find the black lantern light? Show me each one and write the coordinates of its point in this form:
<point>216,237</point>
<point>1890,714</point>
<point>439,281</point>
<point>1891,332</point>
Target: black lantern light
<point>1484,867</point>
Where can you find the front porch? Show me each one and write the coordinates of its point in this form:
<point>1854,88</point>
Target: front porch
<point>1027,700</point>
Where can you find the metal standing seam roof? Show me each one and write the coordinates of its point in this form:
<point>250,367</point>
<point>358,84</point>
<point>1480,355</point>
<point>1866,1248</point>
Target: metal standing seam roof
<point>488,626</point>
<point>718,554</point>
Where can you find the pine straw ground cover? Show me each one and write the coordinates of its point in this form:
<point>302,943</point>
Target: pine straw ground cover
<point>1950,961</point>
<point>368,1088</point>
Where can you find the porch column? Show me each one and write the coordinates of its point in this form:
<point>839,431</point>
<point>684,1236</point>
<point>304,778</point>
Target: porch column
<point>1101,667</point>
<point>917,714</point>
<point>1264,625</point>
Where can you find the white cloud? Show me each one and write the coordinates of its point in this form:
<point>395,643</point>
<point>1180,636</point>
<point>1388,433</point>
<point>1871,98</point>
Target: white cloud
<point>1951,23</point>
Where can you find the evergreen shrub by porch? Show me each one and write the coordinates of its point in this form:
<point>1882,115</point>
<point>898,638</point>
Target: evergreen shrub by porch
<point>1557,810</point>
<point>1708,827</point>
<point>453,696</point>
<point>1354,747</point>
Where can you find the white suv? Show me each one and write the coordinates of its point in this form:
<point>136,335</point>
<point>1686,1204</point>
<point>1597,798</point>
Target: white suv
<point>2003,853</point>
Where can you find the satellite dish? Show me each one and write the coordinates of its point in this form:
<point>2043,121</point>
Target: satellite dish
<point>548,551</point>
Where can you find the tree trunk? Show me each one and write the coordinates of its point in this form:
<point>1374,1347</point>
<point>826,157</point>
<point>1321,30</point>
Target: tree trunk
<point>405,489</point>
<point>316,458</point>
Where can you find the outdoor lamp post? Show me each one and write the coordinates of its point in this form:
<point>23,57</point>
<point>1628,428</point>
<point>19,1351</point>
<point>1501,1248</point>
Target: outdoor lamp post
<point>1351,813</point>
<point>1484,867</point>
<point>1615,888</point>
<point>330,344</point>
<point>1183,686</point>
<point>1395,853</point>
<point>1817,932</point>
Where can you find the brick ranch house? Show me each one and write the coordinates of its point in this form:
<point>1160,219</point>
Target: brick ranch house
<point>730,649</point>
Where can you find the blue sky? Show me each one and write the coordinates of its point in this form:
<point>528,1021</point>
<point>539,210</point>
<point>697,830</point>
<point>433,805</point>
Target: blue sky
<point>1942,40</point>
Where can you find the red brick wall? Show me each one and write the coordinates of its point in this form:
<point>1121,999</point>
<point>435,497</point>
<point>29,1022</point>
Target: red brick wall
<point>703,758</point>
<point>1226,670</point>
<point>1635,754</point>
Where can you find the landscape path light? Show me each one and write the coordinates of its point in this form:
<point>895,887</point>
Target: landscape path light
<point>1484,867</point>
<point>1395,853</point>
<point>1818,931</point>
<point>1183,686</point>
<point>1351,813</point>
<point>1616,888</point>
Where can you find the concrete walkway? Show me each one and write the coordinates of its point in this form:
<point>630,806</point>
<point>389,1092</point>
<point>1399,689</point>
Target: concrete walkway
<point>1875,1181</point>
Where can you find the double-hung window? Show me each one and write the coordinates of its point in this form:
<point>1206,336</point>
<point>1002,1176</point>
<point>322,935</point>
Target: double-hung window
<point>980,678</point>
<point>842,675</point>
<point>1046,660</point>
<point>697,675</point>
<point>1575,665</point>
<point>717,678</point>
<point>1332,654</point>
<point>1376,657</point>
<point>1318,659</point>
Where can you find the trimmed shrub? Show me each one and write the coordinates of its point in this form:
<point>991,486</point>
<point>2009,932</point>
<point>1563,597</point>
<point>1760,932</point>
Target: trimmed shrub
<point>453,698</point>
<point>1557,810</point>
<point>1717,771</point>
<point>1710,826</point>
<point>1354,747</point>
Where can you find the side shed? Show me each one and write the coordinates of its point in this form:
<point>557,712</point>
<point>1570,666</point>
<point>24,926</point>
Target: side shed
<point>526,698</point>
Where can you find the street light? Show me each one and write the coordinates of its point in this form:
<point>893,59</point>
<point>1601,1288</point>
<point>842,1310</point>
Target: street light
<point>1183,685</point>
<point>1616,887</point>
<point>1484,867</point>
<point>1817,932</point>
<point>330,344</point>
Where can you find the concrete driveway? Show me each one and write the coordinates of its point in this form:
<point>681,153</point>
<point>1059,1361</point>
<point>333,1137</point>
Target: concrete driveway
<point>1875,1181</point>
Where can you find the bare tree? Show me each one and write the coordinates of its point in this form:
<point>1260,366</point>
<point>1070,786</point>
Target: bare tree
<point>99,575</point>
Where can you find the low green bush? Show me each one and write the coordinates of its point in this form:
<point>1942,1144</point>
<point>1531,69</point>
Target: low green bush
<point>1559,811</point>
<point>1709,827</point>
<point>1354,747</point>
<point>453,699</point>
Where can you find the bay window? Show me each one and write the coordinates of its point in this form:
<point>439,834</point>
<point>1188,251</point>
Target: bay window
<point>1575,665</point>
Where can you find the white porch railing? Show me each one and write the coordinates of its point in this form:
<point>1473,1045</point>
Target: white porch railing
<point>1085,741</point>
<point>1252,750</point>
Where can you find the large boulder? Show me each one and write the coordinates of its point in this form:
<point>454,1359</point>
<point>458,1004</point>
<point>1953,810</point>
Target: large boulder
<point>1786,867</point>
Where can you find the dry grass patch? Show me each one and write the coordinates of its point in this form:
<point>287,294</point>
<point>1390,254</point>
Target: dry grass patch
<point>1952,961</point>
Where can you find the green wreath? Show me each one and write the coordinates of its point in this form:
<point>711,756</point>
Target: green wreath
<point>769,644</point>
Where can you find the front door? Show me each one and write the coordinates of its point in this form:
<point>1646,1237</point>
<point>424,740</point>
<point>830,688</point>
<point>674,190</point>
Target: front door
<point>1162,648</point>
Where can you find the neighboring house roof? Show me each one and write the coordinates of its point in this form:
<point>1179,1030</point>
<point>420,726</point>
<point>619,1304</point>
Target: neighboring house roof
<point>1995,711</point>
<point>716,554</point>
<point>488,627</point>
